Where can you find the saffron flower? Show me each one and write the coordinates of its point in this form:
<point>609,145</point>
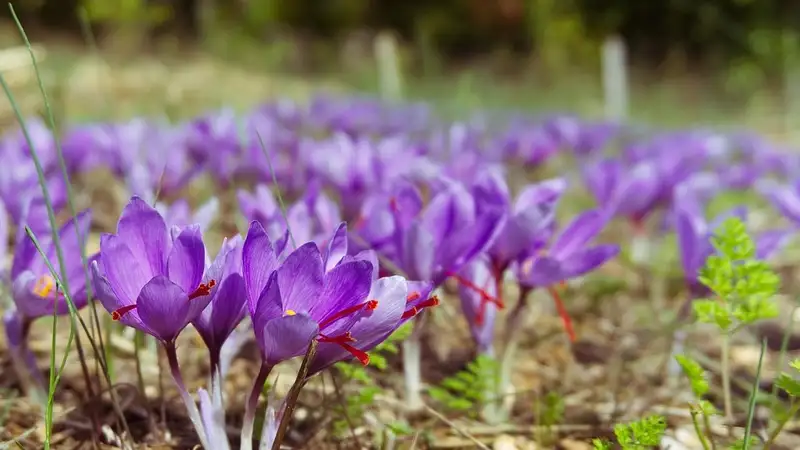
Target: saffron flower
<point>149,280</point>
<point>228,301</point>
<point>34,290</point>
<point>569,255</point>
<point>446,236</point>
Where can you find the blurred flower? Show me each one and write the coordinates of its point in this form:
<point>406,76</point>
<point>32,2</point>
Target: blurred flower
<point>34,290</point>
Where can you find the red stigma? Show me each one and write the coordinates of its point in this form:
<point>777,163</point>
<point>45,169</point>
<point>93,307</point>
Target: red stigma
<point>413,296</point>
<point>117,314</point>
<point>393,204</point>
<point>562,311</point>
<point>203,290</point>
<point>430,302</point>
<point>486,298</point>
<point>343,340</point>
<point>368,306</point>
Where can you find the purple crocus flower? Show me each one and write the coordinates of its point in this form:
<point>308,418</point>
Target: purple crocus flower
<point>570,255</point>
<point>227,304</point>
<point>33,289</point>
<point>620,190</point>
<point>531,215</point>
<point>479,312</point>
<point>151,279</point>
<point>446,236</point>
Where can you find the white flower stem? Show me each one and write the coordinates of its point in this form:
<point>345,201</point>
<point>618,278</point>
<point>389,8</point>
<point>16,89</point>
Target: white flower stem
<point>412,371</point>
<point>188,401</point>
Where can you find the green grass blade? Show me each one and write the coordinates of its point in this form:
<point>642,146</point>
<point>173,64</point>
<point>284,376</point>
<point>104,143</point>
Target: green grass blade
<point>277,189</point>
<point>751,409</point>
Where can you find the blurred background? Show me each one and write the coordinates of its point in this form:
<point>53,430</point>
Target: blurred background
<point>688,62</point>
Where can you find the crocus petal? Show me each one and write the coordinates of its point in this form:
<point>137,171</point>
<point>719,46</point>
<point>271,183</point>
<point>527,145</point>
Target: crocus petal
<point>346,286</point>
<point>337,247</point>
<point>186,261</point>
<point>461,248</point>
<point>125,274</point>
<point>286,337</point>
<point>480,313</point>
<point>144,232</point>
<point>542,271</point>
<point>300,278</point>
<point>391,293</point>
<point>419,252</point>
<point>578,233</point>
<point>586,260</point>
<point>784,198</point>
<point>223,313</point>
<point>112,302</point>
<point>165,308</point>
<point>770,242</point>
<point>258,262</point>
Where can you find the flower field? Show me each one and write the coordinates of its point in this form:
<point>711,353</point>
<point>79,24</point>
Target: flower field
<point>352,273</point>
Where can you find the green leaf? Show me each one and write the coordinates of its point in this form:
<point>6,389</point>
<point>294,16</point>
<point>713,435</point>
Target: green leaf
<point>788,384</point>
<point>696,374</point>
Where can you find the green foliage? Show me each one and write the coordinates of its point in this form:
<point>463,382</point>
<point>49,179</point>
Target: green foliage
<point>696,374</point>
<point>355,404</point>
<point>788,383</point>
<point>467,389</point>
<point>641,434</point>
<point>549,412</point>
<point>744,286</point>
<point>137,12</point>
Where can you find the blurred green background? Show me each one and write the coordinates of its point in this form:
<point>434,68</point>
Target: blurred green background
<point>710,61</point>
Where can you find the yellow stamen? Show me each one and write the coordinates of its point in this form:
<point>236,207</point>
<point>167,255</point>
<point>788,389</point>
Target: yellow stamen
<point>290,312</point>
<point>44,286</point>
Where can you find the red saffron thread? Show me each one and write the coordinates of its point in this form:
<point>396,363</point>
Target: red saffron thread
<point>562,311</point>
<point>368,305</point>
<point>343,340</point>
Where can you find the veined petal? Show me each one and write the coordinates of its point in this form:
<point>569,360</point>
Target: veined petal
<point>300,278</point>
<point>112,302</point>
<point>258,262</point>
<point>186,261</point>
<point>144,232</point>
<point>125,274</point>
<point>286,337</point>
<point>346,286</point>
<point>337,247</point>
<point>164,308</point>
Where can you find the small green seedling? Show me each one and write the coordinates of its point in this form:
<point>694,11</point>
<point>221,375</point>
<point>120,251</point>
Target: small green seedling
<point>743,286</point>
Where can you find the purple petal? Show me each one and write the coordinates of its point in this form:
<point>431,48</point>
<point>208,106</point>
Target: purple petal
<point>287,337</point>
<point>587,260</point>
<point>124,272</point>
<point>144,232</point>
<point>770,242</point>
<point>582,230</point>
<point>186,261</point>
<point>300,278</point>
<point>474,306</point>
<point>346,286</point>
<point>337,247</point>
<point>784,198</point>
<point>223,313</point>
<point>391,293</point>
<point>419,252</point>
<point>258,262</point>
<point>166,309</point>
